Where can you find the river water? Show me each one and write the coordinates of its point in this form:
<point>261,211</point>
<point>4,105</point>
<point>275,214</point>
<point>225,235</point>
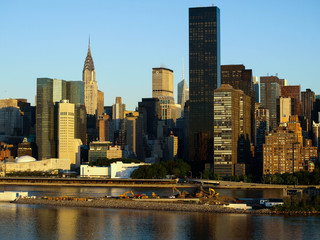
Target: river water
<point>42,222</point>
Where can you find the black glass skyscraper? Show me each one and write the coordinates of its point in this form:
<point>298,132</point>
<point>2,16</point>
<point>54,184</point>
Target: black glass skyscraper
<point>204,77</point>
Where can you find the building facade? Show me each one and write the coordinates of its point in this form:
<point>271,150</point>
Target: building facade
<point>232,125</point>
<point>162,82</point>
<point>256,88</point>
<point>103,150</point>
<point>283,151</point>
<point>100,102</point>
<point>183,93</point>
<point>204,78</point>
<point>269,93</point>
<point>49,93</point>
<point>292,91</point>
<point>308,99</point>
<point>241,78</point>
<point>68,145</point>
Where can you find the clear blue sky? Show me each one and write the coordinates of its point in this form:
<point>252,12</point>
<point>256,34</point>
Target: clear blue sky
<point>129,38</point>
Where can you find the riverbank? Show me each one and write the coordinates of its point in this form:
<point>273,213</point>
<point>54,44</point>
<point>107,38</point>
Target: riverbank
<point>182,206</point>
<point>140,205</point>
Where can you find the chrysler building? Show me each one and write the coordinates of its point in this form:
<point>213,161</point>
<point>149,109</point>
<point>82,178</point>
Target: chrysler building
<point>90,84</point>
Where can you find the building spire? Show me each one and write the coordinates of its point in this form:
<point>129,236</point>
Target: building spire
<point>88,64</point>
<point>89,43</point>
<point>182,69</point>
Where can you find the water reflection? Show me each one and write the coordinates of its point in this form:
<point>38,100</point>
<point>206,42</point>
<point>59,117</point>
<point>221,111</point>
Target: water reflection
<point>41,222</point>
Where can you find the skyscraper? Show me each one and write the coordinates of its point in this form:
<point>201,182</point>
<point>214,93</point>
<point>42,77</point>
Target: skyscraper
<point>292,91</point>
<point>269,94</point>
<point>307,103</point>
<point>100,103</point>
<point>90,84</point>
<point>68,146</point>
<point>162,88</point>
<point>204,78</point>
<point>183,92</point>
<point>232,124</point>
<point>256,89</point>
<point>162,82</point>
<point>241,78</point>
<point>49,93</point>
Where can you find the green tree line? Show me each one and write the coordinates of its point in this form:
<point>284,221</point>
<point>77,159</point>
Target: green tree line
<point>178,168</point>
<point>301,178</point>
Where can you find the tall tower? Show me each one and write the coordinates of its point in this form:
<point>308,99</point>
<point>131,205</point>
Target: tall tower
<point>49,94</point>
<point>90,84</point>
<point>162,88</point>
<point>162,82</point>
<point>204,78</point>
<point>269,93</point>
<point>183,92</point>
<point>307,101</point>
<point>240,78</point>
<point>67,147</point>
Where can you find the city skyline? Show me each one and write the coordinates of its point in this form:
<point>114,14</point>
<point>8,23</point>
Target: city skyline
<point>50,40</point>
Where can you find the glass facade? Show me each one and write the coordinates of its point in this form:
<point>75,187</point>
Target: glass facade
<point>204,75</point>
<point>269,93</point>
<point>49,93</point>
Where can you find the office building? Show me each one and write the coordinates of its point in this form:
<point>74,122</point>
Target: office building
<point>283,82</point>
<point>269,93</point>
<point>49,93</point>
<point>168,110</point>
<point>27,149</point>
<point>285,109</point>
<point>308,99</point>
<point>292,91</point>
<point>90,84</point>
<point>104,124</point>
<point>68,146</point>
<point>162,88</point>
<point>262,126</point>
<point>118,110</point>
<point>133,132</point>
<point>162,82</point>
<point>232,128</point>
<point>316,134</point>
<point>183,93</point>
<point>256,88</point>
<point>11,118</point>
<point>149,110</point>
<point>103,150</point>
<point>240,78</point>
<point>100,102</point>
<point>204,78</point>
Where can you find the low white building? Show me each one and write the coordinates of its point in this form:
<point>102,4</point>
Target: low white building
<point>115,170</point>
<point>28,163</point>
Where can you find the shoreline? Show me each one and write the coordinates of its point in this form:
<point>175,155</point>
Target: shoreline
<point>178,185</point>
<point>155,206</point>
